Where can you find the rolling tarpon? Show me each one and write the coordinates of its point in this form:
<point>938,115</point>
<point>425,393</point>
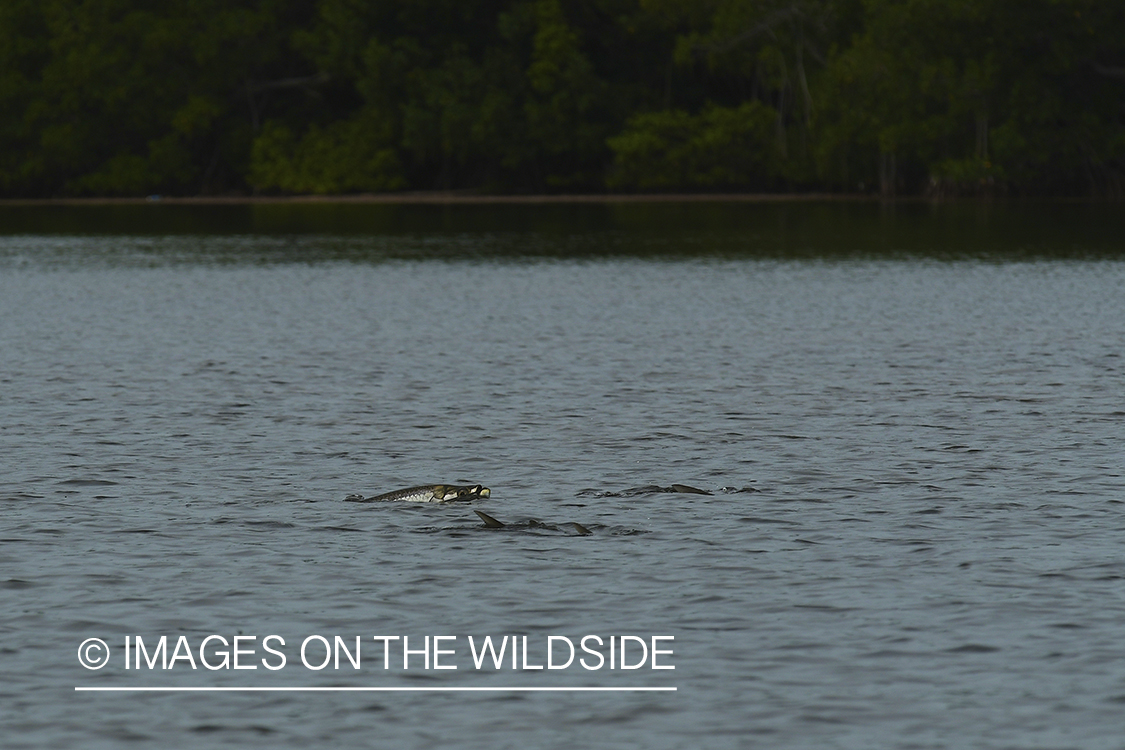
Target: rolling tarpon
<point>427,493</point>
<point>492,523</point>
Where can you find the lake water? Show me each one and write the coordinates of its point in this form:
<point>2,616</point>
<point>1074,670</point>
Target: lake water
<point>910,420</point>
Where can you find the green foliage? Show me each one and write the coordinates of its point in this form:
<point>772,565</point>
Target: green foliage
<point>128,97</point>
<point>977,94</point>
<point>721,147</point>
<point>563,96</point>
<point>24,50</point>
<point>341,157</point>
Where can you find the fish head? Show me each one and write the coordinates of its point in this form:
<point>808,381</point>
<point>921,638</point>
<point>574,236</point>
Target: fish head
<point>448,493</point>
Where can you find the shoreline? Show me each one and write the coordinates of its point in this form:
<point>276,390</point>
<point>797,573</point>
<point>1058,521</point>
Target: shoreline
<point>454,198</point>
<point>451,198</point>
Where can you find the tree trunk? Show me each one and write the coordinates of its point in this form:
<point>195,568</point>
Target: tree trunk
<point>982,137</point>
<point>887,176</point>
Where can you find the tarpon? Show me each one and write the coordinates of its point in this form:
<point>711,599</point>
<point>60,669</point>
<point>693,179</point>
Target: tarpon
<point>427,493</point>
<point>493,523</point>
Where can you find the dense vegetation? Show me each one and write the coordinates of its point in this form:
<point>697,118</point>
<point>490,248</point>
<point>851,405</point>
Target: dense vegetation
<point>184,97</point>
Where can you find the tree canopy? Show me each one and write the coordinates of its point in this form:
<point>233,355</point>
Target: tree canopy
<point>203,97</point>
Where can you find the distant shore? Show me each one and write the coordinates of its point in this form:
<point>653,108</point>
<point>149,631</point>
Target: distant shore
<point>467,198</point>
<point>452,198</point>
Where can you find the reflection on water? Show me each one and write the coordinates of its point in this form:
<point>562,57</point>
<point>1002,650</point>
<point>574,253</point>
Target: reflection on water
<point>726,229</point>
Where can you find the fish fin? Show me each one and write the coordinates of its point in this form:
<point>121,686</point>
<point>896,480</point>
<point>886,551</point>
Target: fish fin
<point>489,521</point>
<point>580,528</point>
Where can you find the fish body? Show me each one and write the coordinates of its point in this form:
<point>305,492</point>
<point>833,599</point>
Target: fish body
<point>492,523</point>
<point>648,489</point>
<point>427,493</point>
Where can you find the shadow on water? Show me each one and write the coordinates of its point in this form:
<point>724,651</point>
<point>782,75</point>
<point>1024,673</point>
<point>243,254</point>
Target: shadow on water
<point>372,232</point>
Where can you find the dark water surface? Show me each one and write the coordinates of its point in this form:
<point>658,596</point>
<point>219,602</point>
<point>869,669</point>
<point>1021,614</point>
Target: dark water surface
<point>911,421</point>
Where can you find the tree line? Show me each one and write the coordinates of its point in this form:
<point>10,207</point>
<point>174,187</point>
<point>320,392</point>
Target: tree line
<point>206,97</point>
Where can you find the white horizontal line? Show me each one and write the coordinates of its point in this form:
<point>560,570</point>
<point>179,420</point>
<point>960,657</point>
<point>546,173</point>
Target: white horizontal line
<point>372,689</point>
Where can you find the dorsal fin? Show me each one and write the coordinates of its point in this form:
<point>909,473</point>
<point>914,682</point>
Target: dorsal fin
<point>489,521</point>
<point>688,489</point>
